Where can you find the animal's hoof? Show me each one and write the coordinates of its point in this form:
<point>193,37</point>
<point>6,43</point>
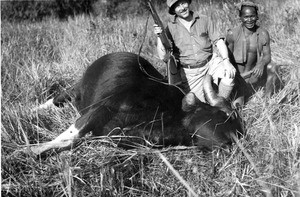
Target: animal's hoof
<point>37,152</point>
<point>47,105</point>
<point>24,153</point>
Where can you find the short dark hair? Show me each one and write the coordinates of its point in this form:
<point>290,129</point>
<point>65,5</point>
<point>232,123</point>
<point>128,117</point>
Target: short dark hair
<point>248,4</point>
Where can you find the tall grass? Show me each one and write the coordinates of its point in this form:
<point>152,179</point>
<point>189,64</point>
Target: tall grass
<point>35,56</point>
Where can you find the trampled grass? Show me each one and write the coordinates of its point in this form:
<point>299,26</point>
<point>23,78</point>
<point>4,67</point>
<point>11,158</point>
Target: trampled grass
<point>36,56</point>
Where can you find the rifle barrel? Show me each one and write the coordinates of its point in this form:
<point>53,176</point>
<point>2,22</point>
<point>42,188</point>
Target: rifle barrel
<point>163,36</point>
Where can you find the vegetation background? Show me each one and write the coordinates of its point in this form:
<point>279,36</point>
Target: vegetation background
<point>47,45</point>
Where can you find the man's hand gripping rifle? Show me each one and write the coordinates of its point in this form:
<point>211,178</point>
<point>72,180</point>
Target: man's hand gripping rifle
<point>173,71</point>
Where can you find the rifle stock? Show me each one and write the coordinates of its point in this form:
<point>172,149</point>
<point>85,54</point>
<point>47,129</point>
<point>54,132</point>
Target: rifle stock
<point>173,71</point>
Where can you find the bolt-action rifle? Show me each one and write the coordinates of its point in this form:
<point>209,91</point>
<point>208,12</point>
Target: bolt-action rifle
<point>173,71</point>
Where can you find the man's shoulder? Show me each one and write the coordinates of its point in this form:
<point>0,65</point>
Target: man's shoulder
<point>230,32</point>
<point>235,29</point>
<point>201,17</point>
<point>263,35</point>
<point>229,36</point>
<point>172,27</point>
<point>234,33</point>
<point>262,31</point>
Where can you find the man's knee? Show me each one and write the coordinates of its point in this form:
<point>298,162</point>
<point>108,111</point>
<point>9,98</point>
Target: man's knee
<point>228,81</point>
<point>273,82</point>
<point>272,68</point>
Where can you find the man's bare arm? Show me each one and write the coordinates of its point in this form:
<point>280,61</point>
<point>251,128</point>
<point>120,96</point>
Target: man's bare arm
<point>230,40</point>
<point>229,68</point>
<point>264,58</point>
<point>161,51</point>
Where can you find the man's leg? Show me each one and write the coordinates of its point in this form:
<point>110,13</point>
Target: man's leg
<point>225,87</point>
<point>216,69</point>
<point>274,81</point>
<point>193,80</point>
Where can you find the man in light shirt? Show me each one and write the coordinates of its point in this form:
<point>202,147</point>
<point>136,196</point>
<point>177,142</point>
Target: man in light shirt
<point>193,36</point>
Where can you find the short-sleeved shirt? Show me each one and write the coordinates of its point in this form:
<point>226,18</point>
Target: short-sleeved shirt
<point>194,47</point>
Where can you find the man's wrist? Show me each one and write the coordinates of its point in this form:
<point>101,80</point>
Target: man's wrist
<point>226,58</point>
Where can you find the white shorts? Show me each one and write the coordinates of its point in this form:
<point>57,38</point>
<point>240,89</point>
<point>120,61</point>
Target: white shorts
<point>192,79</point>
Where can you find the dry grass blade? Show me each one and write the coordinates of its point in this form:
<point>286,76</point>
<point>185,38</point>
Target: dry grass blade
<point>175,172</point>
<point>265,188</point>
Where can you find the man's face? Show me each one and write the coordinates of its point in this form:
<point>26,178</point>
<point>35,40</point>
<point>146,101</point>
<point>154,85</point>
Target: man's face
<point>248,17</point>
<point>182,9</point>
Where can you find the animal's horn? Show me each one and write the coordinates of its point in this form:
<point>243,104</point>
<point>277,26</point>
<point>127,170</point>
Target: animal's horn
<point>212,98</point>
<point>210,95</point>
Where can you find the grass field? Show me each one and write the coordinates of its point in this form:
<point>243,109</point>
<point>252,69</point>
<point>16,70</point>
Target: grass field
<point>35,56</point>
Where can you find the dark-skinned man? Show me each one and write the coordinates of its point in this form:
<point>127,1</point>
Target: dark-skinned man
<point>249,46</point>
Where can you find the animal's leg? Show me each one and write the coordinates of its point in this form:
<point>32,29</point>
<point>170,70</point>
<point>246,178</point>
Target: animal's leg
<point>94,118</point>
<point>46,105</point>
<point>64,141</point>
<point>62,97</point>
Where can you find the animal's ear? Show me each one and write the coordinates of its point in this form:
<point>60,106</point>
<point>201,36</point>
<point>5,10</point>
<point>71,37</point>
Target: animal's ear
<point>189,102</point>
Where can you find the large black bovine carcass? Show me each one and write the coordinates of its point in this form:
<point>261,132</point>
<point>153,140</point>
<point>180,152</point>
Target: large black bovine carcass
<point>121,94</point>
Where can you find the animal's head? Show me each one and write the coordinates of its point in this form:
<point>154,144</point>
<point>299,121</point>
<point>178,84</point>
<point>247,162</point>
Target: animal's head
<point>190,102</point>
<point>208,125</point>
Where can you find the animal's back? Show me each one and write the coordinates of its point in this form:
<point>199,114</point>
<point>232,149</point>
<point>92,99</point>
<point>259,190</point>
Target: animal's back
<point>120,86</point>
<point>113,75</point>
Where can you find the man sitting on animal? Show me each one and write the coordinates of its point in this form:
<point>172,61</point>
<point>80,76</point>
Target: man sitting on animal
<point>193,36</point>
<point>249,47</point>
